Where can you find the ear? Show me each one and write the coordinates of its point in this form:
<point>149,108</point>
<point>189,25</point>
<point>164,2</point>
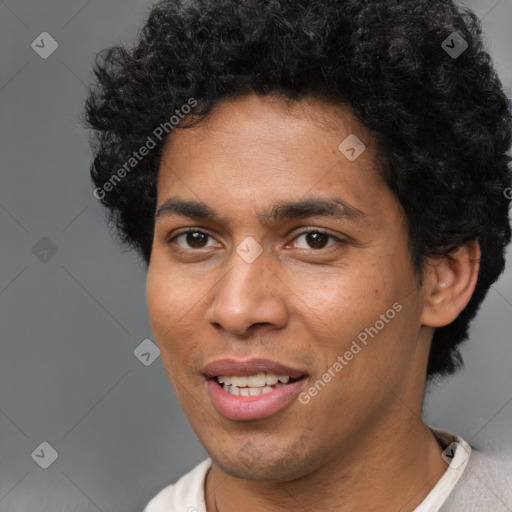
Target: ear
<point>449,282</point>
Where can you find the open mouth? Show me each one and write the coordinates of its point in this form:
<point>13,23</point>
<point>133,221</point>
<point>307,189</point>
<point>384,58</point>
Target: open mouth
<point>254,385</point>
<point>252,389</point>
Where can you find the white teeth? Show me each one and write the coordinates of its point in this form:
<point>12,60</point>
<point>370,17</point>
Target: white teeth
<point>271,379</point>
<point>258,380</point>
<point>252,385</point>
<point>239,382</point>
<point>234,390</point>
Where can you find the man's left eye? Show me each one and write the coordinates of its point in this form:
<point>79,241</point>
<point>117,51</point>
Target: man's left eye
<point>316,240</point>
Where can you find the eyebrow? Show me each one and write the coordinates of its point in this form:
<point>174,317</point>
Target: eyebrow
<point>303,208</point>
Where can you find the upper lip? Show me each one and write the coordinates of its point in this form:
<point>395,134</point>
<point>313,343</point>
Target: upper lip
<point>232,367</point>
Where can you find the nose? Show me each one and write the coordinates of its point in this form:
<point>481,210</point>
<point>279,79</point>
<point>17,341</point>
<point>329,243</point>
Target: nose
<point>249,294</point>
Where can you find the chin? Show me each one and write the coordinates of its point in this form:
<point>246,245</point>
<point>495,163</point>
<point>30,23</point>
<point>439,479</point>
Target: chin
<point>260,462</point>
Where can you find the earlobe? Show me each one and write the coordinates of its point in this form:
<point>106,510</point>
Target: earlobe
<point>449,284</point>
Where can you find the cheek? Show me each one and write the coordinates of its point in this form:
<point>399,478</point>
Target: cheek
<point>169,299</point>
<point>170,306</point>
<point>353,300</point>
<point>159,300</point>
<point>174,306</point>
<point>373,309</point>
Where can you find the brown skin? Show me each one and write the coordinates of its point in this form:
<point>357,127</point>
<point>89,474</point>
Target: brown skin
<point>361,441</point>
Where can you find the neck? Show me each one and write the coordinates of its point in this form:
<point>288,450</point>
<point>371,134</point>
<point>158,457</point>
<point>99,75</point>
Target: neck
<point>398,465</point>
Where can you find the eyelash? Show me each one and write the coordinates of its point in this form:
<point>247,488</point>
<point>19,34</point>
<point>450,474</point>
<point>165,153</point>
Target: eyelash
<point>196,230</point>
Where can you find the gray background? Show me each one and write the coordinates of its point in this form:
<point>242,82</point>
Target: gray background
<point>69,325</point>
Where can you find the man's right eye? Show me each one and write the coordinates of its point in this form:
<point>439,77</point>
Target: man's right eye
<point>193,237</point>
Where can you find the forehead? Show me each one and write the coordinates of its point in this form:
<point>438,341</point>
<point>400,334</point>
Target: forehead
<point>273,112</point>
<point>266,150</point>
<point>260,129</point>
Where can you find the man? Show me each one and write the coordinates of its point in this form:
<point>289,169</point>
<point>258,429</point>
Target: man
<point>319,192</point>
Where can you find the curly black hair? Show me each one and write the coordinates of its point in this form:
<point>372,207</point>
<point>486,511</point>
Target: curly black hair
<point>441,120</point>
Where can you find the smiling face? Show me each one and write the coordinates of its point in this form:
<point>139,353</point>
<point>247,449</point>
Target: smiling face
<point>296,285</point>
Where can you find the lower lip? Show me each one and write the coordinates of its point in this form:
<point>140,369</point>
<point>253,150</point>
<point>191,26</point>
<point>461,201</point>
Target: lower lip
<point>252,407</point>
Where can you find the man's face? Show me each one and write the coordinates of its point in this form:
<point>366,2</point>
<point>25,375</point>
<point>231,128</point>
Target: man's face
<point>284,295</point>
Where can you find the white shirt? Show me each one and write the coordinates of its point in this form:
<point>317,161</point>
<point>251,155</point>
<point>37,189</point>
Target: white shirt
<point>472,482</point>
